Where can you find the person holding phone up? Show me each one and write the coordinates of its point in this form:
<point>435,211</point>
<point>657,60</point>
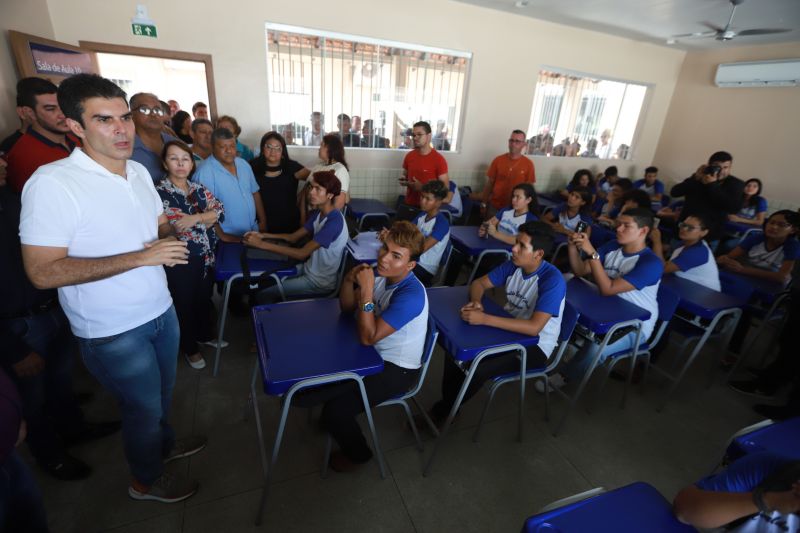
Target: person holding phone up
<point>713,190</point>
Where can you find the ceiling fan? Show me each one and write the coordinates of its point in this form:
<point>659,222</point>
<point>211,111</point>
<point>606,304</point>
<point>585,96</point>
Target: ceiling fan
<point>726,33</point>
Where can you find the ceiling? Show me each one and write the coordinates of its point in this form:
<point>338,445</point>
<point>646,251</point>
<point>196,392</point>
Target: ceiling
<point>656,20</point>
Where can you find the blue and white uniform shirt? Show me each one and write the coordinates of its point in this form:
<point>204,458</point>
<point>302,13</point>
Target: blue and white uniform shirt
<point>697,264</point>
<point>656,188</point>
<point>750,211</point>
<point>455,206</point>
<point>330,232</point>
<point>643,270</point>
<point>507,222</point>
<point>568,222</point>
<point>543,290</point>
<point>758,256</point>
<point>439,228</point>
<point>404,306</point>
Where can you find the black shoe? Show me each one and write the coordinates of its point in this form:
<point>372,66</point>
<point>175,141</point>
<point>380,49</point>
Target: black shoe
<point>752,388</point>
<point>69,469</point>
<point>776,412</point>
<point>93,431</point>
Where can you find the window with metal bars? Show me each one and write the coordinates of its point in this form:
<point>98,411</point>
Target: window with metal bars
<point>369,91</point>
<point>582,115</point>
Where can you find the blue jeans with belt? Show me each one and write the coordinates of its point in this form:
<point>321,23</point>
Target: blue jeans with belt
<point>138,368</point>
<point>49,404</point>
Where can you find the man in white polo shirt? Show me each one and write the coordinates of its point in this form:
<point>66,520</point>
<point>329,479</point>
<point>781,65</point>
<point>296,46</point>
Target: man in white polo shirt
<point>93,226</point>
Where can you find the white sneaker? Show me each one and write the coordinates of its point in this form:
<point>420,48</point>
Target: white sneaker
<point>213,343</point>
<point>197,365</point>
<point>556,381</point>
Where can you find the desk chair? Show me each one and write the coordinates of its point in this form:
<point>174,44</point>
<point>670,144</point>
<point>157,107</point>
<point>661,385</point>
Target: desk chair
<point>667,304</point>
<point>467,205</point>
<point>401,400</point>
<point>568,320</point>
<point>278,277</point>
<point>444,263</point>
<point>696,331</point>
<point>730,455</point>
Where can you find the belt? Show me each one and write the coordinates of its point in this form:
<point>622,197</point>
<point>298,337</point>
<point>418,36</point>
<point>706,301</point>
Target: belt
<point>31,311</point>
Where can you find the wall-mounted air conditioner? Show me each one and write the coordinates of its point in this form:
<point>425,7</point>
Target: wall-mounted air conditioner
<point>777,73</point>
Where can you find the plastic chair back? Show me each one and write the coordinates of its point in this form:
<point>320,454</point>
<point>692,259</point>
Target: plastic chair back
<point>443,263</point>
<point>668,301</point>
<point>427,350</point>
<point>466,205</point>
<point>569,319</point>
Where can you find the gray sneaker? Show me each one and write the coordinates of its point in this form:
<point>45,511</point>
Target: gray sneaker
<point>186,447</point>
<point>169,488</point>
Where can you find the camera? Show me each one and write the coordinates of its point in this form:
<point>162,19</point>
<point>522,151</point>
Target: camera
<point>581,227</point>
<point>711,170</point>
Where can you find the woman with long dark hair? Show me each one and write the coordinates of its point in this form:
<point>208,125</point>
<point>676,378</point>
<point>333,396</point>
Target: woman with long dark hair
<point>332,158</point>
<point>277,176</point>
<point>754,206</point>
<point>182,126</point>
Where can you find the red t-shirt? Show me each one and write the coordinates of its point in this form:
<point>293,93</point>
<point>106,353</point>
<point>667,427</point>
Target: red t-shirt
<point>505,174</point>
<point>422,168</point>
<point>32,151</point>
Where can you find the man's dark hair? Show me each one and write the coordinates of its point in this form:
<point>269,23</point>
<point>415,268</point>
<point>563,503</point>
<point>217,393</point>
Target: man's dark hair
<point>625,184</point>
<point>220,134</point>
<point>436,188</point>
<point>138,96</point>
<point>541,234</point>
<point>196,123</point>
<point>639,197</point>
<point>611,171</point>
<point>642,216</point>
<point>702,217</point>
<point>75,90</point>
<point>424,125</point>
<point>197,105</point>
<point>792,217</point>
<point>651,170</point>
<point>343,117</point>
<point>720,157</point>
<point>29,88</point>
<point>519,132</point>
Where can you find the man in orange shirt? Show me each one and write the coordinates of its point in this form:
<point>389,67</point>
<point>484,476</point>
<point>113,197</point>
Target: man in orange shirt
<point>506,172</point>
<point>421,165</point>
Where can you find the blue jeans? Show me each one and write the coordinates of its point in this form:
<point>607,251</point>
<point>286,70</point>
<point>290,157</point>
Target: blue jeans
<point>579,365</point>
<point>138,368</point>
<point>49,404</point>
<point>21,505</point>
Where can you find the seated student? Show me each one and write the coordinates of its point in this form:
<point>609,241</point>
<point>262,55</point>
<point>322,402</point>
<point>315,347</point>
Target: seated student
<point>436,229</point>
<point>694,260</point>
<point>453,201</point>
<point>653,186</point>
<point>582,179</point>
<point>754,206</point>
<point>392,315</point>
<point>632,199</point>
<point>759,492</point>
<point>606,181</point>
<point>502,226</point>
<point>535,293</point>
<point>626,268</point>
<point>613,200</point>
<point>770,255</point>
<point>564,218</point>
<point>322,254</point>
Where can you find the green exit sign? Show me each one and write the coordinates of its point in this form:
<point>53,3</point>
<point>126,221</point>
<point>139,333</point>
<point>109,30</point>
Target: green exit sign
<point>144,30</point>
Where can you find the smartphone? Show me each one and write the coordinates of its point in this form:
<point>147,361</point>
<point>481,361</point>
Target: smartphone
<point>581,227</point>
<point>656,222</point>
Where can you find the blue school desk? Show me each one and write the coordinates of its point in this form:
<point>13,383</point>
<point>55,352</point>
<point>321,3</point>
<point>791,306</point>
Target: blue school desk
<point>471,344</point>
<point>763,289</point>
<point>364,247</point>
<point>781,438</point>
<point>289,360</point>
<point>364,208</point>
<point>228,269</point>
<point>467,241</point>
<point>635,508</point>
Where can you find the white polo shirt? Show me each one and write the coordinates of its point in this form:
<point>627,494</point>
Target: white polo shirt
<point>77,204</point>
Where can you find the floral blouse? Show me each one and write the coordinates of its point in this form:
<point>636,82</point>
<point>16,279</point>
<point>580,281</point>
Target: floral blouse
<point>200,238</point>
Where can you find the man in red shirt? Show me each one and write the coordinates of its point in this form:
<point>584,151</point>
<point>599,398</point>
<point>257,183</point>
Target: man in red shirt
<point>422,165</point>
<point>506,172</point>
<point>46,140</point>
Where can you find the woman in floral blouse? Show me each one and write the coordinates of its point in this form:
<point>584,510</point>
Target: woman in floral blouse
<point>193,211</point>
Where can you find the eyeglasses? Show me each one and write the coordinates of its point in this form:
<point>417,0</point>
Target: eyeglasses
<point>684,225</point>
<point>146,111</point>
<point>274,148</point>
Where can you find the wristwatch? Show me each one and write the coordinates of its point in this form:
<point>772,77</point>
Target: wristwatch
<point>595,256</point>
<point>368,307</point>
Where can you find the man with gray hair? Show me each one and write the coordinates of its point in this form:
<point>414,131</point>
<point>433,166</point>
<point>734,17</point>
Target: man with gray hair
<point>148,118</point>
<point>231,180</point>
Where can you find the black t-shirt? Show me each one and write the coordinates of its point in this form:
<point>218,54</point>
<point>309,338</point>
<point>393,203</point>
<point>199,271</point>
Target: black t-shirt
<point>278,194</point>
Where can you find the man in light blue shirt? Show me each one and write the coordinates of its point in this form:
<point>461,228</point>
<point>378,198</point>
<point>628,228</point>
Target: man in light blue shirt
<point>231,180</point>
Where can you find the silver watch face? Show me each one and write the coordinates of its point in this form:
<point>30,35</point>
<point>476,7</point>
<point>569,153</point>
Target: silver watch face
<point>368,307</point>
